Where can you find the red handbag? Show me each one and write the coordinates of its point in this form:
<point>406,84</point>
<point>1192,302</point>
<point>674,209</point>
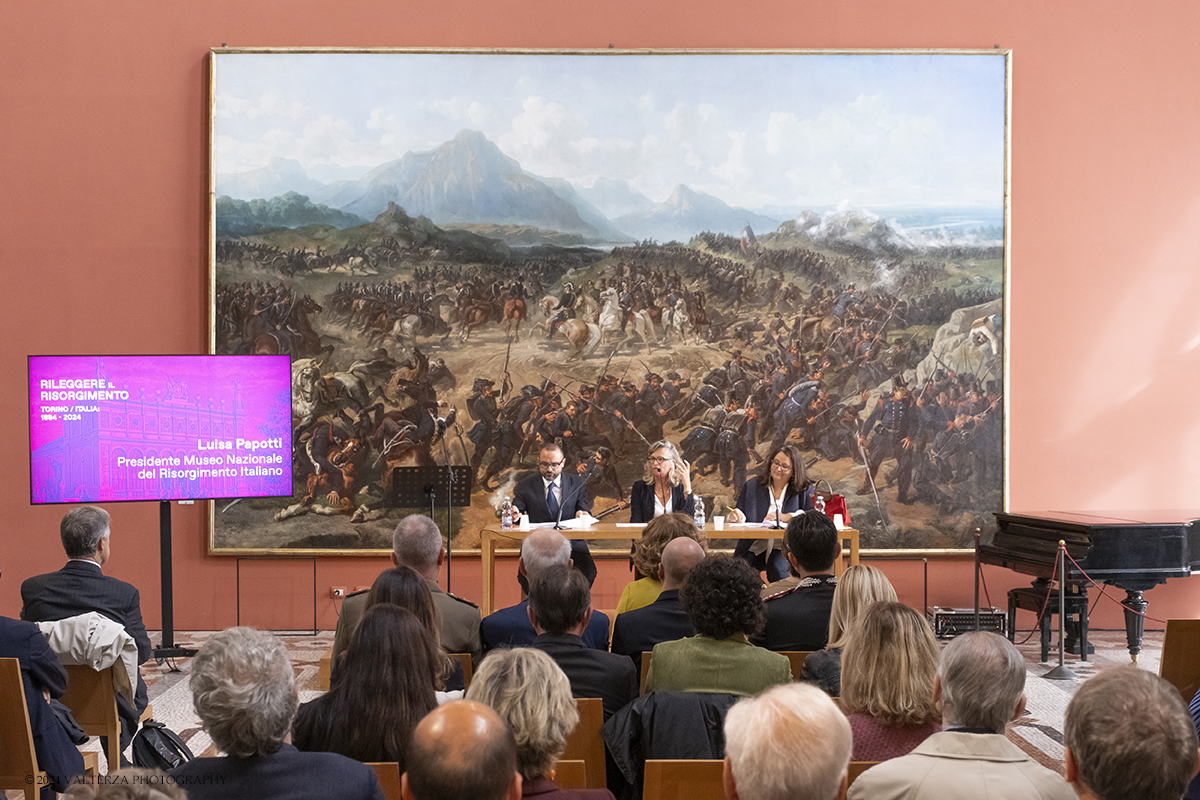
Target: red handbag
<point>834,503</point>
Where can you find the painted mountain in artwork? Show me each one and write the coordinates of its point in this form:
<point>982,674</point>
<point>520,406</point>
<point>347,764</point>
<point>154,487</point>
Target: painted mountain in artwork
<point>466,180</point>
<point>688,212</point>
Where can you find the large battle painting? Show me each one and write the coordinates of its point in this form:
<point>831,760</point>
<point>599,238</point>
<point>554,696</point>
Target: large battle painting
<point>469,254</point>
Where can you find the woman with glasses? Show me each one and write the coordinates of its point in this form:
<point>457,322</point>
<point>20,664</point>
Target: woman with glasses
<point>666,486</point>
<point>779,493</point>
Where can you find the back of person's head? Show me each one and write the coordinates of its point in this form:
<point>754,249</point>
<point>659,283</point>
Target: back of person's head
<point>559,598</point>
<point>982,677</point>
<point>678,558</point>
<point>647,551</point>
<point>129,783</point>
<point>244,691</point>
<point>889,665</point>
<point>764,734</point>
<point>533,695</point>
<point>544,548</point>
<point>384,683</point>
<point>721,597</point>
<point>82,529</point>
<point>404,587</point>
<point>813,541</point>
<point>1129,736</point>
<point>462,750</point>
<point>417,542</point>
<point>860,586</point>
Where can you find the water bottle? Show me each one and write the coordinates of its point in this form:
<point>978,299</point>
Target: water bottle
<point>506,515</point>
<point>818,503</point>
<point>699,512</point>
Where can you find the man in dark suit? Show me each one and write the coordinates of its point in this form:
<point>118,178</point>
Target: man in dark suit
<point>41,673</point>
<point>244,691</point>
<point>510,627</point>
<point>798,618</point>
<point>560,606</point>
<point>81,586</point>
<point>550,496</point>
<point>664,620</point>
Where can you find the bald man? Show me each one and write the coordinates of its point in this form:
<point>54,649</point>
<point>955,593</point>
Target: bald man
<point>664,620</point>
<point>510,627</point>
<point>763,734</point>
<point>462,750</point>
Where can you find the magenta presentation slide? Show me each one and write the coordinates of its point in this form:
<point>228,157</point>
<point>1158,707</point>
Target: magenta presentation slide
<point>119,428</point>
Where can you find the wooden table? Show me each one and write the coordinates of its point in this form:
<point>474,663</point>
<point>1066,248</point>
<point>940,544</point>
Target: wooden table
<point>493,534</point>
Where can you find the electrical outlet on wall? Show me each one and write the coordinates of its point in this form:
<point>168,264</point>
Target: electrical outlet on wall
<point>337,591</point>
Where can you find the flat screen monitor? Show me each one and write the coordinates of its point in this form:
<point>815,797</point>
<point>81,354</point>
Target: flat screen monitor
<point>106,429</point>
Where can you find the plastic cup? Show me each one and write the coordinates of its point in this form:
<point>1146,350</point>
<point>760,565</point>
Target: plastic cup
<point>719,523</point>
<point>524,522</point>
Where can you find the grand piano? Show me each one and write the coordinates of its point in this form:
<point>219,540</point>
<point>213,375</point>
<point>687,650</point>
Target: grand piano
<point>1134,551</point>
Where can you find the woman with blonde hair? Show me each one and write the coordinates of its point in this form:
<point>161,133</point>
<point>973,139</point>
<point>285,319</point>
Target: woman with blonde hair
<point>888,667</point>
<point>647,555</point>
<point>859,587</point>
<point>532,694</point>
<point>666,486</point>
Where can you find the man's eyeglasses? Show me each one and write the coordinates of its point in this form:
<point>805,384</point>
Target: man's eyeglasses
<point>548,464</point>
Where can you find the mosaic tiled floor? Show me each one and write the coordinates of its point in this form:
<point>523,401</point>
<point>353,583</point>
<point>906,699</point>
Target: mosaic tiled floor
<point>1038,733</point>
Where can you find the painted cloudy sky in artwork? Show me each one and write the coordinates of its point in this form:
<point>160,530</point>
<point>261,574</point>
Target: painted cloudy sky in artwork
<point>756,130</point>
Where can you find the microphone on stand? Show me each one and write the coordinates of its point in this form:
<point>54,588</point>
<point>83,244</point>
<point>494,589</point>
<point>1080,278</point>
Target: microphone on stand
<point>561,503</point>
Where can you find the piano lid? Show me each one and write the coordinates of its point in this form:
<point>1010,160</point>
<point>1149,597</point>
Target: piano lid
<point>1087,518</point>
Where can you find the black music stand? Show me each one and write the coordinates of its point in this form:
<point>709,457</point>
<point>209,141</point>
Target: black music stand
<point>413,487</point>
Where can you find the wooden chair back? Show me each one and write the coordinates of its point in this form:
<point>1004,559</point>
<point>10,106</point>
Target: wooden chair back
<point>796,658</point>
<point>570,774</point>
<point>18,761</point>
<point>683,780</point>
<point>585,743</point>
<point>646,656</point>
<point>93,702</point>
<point>1180,663</point>
<point>325,670</point>
<point>388,775</point>
<point>465,660</point>
<point>859,767</point>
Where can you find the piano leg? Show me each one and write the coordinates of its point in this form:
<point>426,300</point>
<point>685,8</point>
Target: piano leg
<point>1135,607</point>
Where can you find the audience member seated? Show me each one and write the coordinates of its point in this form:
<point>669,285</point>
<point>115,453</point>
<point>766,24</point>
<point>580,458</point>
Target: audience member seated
<point>404,587</point>
<point>798,618</point>
<point>1129,736</point>
<point>888,669</point>
<point>781,492</point>
<point>789,743</point>
<point>665,488</point>
<point>129,784</point>
<point>462,751</point>
<point>532,694</point>
<point>244,691</point>
<point>560,605</point>
<point>980,686</point>
<point>383,689</point>
<point>417,543</point>
<point>81,586</point>
<point>510,626</point>
<point>664,620</point>
<point>859,587</point>
<point>721,599</point>
<point>42,677</point>
<point>647,553</point>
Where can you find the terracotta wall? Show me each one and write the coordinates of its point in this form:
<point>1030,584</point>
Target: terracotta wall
<point>102,224</point>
